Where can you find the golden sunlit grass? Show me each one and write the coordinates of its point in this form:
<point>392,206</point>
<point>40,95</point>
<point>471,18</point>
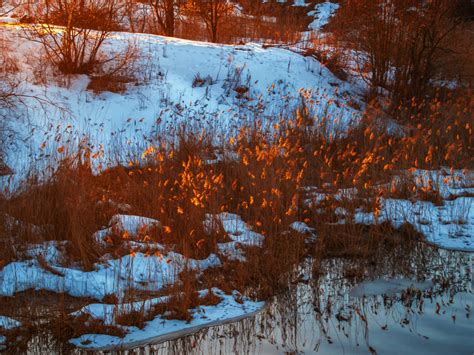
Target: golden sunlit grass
<point>261,179</point>
<point>177,185</point>
<point>263,174</point>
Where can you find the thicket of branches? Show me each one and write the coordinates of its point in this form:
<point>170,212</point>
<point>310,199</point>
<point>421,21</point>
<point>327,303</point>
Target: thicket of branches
<point>9,97</point>
<point>212,13</point>
<point>402,45</point>
<point>164,15</point>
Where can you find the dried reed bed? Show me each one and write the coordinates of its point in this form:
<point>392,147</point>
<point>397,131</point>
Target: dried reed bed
<point>261,177</point>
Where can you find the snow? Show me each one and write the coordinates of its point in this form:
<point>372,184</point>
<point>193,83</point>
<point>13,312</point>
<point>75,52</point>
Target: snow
<point>8,20</point>
<point>314,195</point>
<point>51,251</point>
<point>322,14</point>
<point>138,271</point>
<point>108,312</point>
<point>160,329</point>
<point>7,323</point>
<point>447,183</point>
<point>389,287</point>
<point>300,3</point>
<point>119,126</point>
<point>450,226</point>
<point>163,100</point>
<point>301,227</point>
<point>133,225</point>
<point>237,230</point>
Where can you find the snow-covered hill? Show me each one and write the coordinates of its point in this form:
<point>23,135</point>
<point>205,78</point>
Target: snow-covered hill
<point>164,99</point>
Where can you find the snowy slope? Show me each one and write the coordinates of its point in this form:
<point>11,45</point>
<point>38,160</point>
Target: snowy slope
<point>165,98</point>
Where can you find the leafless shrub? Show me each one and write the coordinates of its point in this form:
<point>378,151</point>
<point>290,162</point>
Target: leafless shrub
<point>117,71</point>
<point>399,43</point>
<point>10,87</point>
<point>72,33</point>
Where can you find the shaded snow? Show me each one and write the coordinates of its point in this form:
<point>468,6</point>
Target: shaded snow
<point>108,312</point>
<point>301,227</point>
<point>449,226</point>
<point>237,230</point>
<point>322,14</point>
<point>137,271</point>
<point>160,329</point>
<point>7,323</point>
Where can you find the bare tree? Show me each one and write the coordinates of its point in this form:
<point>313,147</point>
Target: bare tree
<point>164,15</point>
<point>211,12</point>
<point>398,41</point>
<point>8,9</point>
<point>136,13</point>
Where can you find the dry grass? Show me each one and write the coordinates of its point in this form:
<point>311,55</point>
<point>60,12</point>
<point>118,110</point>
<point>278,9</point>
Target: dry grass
<point>175,184</point>
<point>112,83</point>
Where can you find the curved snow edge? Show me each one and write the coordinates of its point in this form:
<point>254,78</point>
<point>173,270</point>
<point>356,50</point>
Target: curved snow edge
<point>171,335</point>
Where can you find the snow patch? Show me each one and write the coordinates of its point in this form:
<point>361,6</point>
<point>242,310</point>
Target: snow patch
<point>160,329</point>
<point>237,230</point>
<point>322,14</point>
<point>135,271</point>
<point>7,323</point>
<point>9,20</point>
